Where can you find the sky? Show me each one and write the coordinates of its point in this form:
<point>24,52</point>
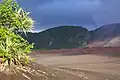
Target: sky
<point>86,13</point>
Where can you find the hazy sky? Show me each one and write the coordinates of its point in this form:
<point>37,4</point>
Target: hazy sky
<point>87,13</point>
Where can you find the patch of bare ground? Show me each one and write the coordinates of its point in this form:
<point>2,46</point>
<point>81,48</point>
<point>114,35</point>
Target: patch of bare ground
<point>91,64</point>
<point>39,72</point>
<point>90,75</point>
<point>79,51</point>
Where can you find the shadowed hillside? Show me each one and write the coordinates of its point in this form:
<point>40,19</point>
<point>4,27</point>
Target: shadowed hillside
<point>106,36</point>
<point>108,31</point>
<point>64,37</point>
<point>60,37</point>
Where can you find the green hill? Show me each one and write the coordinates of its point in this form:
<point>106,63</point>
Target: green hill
<point>60,37</point>
<point>75,37</point>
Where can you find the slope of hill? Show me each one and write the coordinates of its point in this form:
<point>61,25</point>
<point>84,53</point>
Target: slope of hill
<point>76,36</point>
<point>115,42</point>
<point>106,36</point>
<point>106,32</point>
<point>60,37</point>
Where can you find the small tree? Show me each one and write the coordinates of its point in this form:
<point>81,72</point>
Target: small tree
<point>13,48</point>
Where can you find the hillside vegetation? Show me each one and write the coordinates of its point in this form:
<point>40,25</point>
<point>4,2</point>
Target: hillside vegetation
<point>60,37</point>
<point>76,37</point>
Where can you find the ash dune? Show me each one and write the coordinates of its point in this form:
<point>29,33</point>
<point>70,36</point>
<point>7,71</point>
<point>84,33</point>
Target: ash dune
<point>115,42</point>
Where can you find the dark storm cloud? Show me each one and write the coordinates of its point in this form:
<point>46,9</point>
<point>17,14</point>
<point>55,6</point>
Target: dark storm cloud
<point>87,13</point>
<point>108,13</point>
<point>67,12</point>
<point>32,3</point>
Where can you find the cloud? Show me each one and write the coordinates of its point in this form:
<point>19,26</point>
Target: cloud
<point>66,12</point>
<point>87,13</point>
<point>108,12</point>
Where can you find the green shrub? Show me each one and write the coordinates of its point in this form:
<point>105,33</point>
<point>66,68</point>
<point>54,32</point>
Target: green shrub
<point>13,17</point>
<point>13,48</point>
